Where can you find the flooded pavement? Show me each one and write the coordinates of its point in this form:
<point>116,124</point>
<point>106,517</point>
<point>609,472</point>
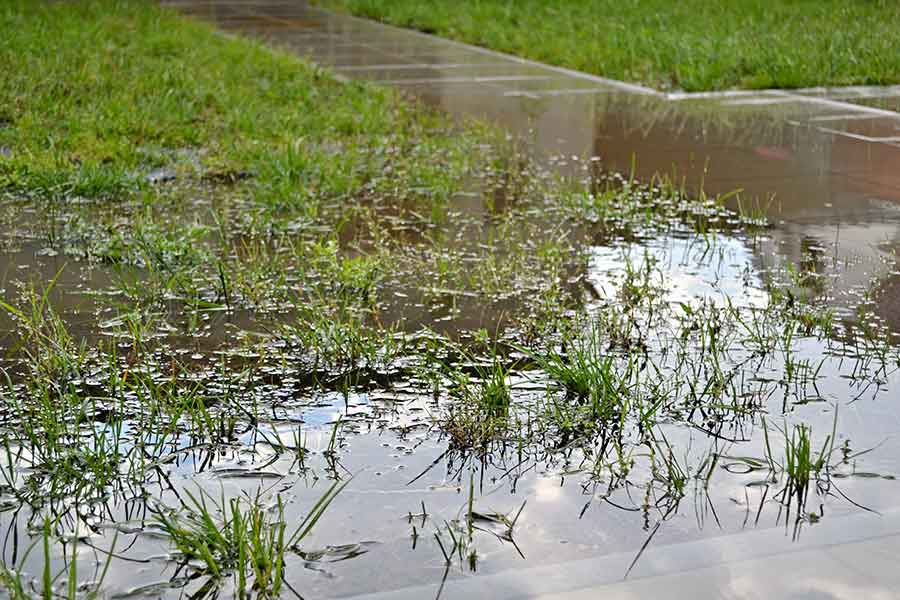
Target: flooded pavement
<point>719,406</point>
<point>822,163</point>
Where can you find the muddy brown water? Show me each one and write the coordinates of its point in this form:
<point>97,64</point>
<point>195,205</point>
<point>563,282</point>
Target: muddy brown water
<point>825,165</point>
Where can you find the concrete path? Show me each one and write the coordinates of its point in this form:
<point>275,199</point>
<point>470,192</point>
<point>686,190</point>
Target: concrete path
<point>826,163</point>
<point>850,558</point>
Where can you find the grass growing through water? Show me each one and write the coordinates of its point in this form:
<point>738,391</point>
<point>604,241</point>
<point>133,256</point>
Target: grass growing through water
<point>590,377</point>
<point>802,468</point>
<point>691,45</point>
<point>243,538</point>
<point>480,413</point>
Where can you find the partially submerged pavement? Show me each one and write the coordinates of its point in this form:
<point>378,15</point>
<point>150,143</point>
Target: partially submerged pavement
<point>825,164</point>
<point>821,162</point>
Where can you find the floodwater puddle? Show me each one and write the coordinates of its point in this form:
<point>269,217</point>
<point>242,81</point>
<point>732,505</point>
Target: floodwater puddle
<point>526,377</point>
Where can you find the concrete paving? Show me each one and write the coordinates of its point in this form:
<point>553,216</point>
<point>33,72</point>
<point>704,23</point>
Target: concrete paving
<point>826,164</point>
<point>849,558</point>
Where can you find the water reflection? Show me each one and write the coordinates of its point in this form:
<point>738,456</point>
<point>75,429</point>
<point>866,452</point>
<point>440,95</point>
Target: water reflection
<point>823,164</point>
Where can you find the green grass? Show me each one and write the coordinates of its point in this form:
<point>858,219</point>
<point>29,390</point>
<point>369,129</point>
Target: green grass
<point>241,538</point>
<point>591,378</point>
<point>175,94</point>
<point>279,172</point>
<point>480,413</point>
<point>691,45</point>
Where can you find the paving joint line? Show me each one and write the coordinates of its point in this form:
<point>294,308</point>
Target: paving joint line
<point>463,80</point>
<point>412,66</point>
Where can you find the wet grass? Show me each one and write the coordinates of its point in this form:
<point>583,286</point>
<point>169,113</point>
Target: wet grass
<point>692,46</point>
<point>480,413</point>
<point>217,118</point>
<point>242,538</point>
<point>217,178</point>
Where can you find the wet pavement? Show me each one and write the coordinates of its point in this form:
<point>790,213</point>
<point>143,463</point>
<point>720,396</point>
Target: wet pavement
<point>823,163</point>
<point>825,166</point>
<point>850,559</point>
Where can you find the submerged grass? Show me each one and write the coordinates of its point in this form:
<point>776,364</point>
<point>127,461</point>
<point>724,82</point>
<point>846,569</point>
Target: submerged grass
<point>691,45</point>
<point>480,412</point>
<point>245,539</point>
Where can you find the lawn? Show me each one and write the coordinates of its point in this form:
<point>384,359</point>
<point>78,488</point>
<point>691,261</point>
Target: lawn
<point>146,140</point>
<point>692,45</point>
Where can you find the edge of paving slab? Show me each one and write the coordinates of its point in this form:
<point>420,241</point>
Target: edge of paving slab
<point>623,85</point>
<point>655,562</point>
<point>789,95</point>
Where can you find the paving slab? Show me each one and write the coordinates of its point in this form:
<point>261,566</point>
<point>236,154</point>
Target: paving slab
<point>850,558</point>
